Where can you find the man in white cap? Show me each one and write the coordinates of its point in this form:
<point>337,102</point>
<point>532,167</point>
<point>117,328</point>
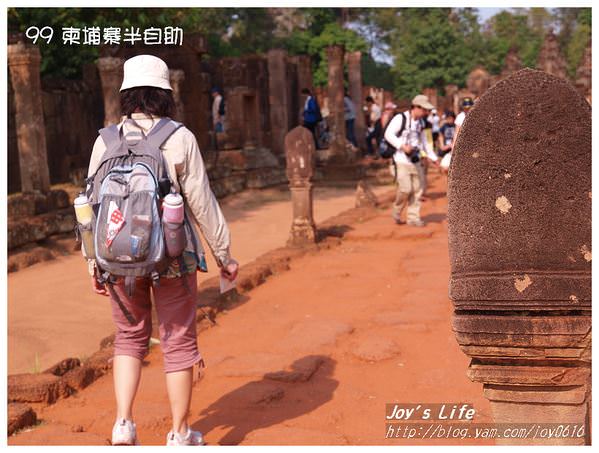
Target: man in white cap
<point>405,133</point>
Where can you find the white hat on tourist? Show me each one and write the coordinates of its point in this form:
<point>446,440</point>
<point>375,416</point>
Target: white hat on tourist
<point>145,71</point>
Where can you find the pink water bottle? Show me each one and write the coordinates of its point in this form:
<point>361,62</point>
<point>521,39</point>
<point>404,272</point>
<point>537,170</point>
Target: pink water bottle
<point>172,208</point>
<point>172,221</point>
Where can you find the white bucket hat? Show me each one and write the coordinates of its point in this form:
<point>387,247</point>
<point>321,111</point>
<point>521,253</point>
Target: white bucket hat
<point>420,101</point>
<point>145,71</point>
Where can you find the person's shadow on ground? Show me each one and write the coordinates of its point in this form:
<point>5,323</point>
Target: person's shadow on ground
<point>278,396</point>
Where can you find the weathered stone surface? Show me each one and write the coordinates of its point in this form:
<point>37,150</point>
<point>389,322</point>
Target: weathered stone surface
<point>107,341</point>
<point>100,361</point>
<point>520,249</point>
<point>111,75</point>
<point>336,118</point>
<point>63,366</point>
<point>278,98</point>
<point>518,161</point>
<point>365,196</point>
<point>299,151</point>
<point>20,416</point>
<point>37,228</point>
<point>80,377</point>
<point>24,64</point>
<point>35,388</point>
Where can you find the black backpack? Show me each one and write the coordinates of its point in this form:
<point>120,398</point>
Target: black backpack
<point>386,150</point>
<point>221,107</point>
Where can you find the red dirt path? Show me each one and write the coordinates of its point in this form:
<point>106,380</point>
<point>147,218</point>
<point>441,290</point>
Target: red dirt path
<point>314,354</point>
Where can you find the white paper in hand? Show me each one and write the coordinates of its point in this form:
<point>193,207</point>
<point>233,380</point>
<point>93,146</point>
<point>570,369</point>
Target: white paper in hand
<point>226,285</point>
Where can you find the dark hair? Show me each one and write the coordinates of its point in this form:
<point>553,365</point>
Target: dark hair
<point>152,101</point>
<point>450,113</point>
<point>306,91</point>
<point>369,99</point>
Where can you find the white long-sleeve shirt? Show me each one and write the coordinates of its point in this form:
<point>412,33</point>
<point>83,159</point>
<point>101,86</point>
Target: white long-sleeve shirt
<point>413,134</point>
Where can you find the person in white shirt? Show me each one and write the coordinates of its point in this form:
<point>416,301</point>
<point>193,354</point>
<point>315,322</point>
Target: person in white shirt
<point>406,134</point>
<point>374,126</point>
<point>218,116</point>
<point>467,104</point>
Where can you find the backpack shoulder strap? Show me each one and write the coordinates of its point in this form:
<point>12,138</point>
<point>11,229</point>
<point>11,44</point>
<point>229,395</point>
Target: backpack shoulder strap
<point>111,136</point>
<point>403,123</point>
<point>162,131</point>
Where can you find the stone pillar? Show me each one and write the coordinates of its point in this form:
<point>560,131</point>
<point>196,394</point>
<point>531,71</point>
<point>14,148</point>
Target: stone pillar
<point>511,64</point>
<point>431,93</point>
<point>336,117</point>
<point>451,98</point>
<point>111,76</point>
<point>277,98</point>
<point>520,250</point>
<point>299,150</point>
<point>550,57</point>
<point>354,63</point>
<point>177,76</point>
<point>304,74</point>
<point>24,64</point>
<point>584,77</point>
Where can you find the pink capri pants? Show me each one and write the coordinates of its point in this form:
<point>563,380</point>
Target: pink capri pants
<point>176,309</point>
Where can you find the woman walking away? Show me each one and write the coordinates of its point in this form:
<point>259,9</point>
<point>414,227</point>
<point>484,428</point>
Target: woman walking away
<point>148,182</point>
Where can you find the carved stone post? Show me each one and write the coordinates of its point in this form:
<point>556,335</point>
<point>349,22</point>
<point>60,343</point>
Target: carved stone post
<point>277,98</point>
<point>520,249</point>
<point>336,117</point>
<point>24,63</point>
<point>354,69</point>
<point>111,76</point>
<point>177,76</point>
<point>299,150</point>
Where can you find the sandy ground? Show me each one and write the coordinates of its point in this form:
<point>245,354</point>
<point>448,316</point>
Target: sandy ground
<point>313,355</point>
<point>52,313</point>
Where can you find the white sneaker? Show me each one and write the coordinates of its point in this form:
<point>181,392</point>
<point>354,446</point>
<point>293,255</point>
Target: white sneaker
<point>190,438</point>
<point>124,433</point>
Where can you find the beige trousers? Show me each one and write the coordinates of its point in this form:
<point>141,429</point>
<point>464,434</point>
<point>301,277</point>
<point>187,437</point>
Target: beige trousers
<point>409,190</point>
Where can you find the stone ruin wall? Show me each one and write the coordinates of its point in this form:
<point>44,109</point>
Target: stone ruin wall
<point>246,86</point>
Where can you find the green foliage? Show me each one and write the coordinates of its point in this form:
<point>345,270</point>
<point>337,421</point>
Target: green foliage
<point>512,30</point>
<point>376,74</point>
<point>332,34</point>
<point>429,51</point>
<point>67,61</point>
<point>575,34</point>
<point>430,47</point>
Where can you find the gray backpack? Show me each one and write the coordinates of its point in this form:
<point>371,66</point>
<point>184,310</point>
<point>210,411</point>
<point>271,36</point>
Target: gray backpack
<point>126,191</point>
